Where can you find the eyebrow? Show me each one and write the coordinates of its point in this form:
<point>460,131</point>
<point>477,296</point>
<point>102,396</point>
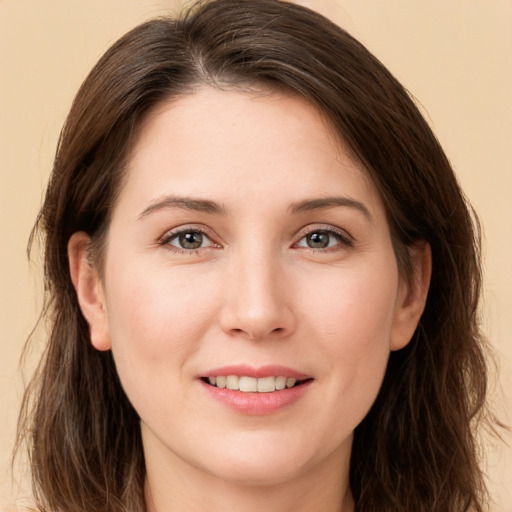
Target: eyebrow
<point>310,205</point>
<point>207,206</point>
<point>184,203</point>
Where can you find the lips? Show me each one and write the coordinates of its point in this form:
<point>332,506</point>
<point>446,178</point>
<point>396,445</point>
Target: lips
<point>256,391</point>
<point>269,370</point>
<point>248,384</point>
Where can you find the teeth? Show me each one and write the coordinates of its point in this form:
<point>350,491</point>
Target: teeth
<point>251,384</point>
<point>280,383</point>
<point>248,384</point>
<point>266,384</point>
<point>290,382</point>
<point>232,382</point>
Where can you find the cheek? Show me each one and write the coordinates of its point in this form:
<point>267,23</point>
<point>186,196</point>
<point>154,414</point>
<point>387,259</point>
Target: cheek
<point>353,324</point>
<point>355,304</point>
<point>156,300</point>
<point>157,319</point>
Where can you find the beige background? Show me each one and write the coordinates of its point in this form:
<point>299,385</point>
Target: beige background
<point>454,55</point>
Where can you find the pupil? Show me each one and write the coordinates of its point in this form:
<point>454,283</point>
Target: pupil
<point>318,240</point>
<point>191,240</point>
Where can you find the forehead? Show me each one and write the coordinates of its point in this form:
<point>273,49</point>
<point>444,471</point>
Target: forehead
<point>232,142</point>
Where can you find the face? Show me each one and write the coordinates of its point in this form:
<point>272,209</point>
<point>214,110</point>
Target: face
<point>247,248</point>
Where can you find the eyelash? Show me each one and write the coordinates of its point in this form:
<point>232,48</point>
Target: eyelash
<point>343,238</point>
<point>175,233</point>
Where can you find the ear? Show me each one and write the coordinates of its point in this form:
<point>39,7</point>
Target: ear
<point>89,290</point>
<point>412,296</point>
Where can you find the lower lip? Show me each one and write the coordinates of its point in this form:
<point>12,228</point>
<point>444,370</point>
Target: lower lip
<point>257,404</point>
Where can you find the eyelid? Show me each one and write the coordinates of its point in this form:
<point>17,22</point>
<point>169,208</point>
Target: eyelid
<point>346,239</point>
<point>174,232</point>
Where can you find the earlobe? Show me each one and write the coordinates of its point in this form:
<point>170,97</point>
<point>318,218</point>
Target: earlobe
<point>412,296</point>
<point>89,290</point>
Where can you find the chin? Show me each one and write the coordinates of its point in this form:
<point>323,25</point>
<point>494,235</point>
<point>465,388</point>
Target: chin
<point>265,462</point>
<point>257,473</point>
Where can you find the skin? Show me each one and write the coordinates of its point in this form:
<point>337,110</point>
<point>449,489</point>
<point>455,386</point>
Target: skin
<point>253,293</point>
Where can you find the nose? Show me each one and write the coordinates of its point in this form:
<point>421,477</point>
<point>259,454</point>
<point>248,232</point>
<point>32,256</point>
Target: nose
<point>258,299</point>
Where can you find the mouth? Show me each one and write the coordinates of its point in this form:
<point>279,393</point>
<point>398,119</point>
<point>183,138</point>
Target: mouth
<point>256,391</point>
<point>248,384</point>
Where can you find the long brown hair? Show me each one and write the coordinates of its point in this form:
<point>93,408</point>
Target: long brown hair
<point>415,450</point>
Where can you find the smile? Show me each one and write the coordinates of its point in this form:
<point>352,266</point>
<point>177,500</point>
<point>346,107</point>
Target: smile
<point>252,384</point>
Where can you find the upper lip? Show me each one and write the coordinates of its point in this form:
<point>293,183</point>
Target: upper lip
<point>270,370</point>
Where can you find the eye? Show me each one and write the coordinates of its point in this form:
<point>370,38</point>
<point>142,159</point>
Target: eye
<point>323,239</point>
<point>188,240</point>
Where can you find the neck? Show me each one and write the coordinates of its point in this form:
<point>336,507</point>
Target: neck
<point>180,487</point>
<point>221,498</point>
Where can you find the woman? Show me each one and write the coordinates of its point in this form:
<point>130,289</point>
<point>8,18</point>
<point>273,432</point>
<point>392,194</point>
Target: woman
<point>263,280</point>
